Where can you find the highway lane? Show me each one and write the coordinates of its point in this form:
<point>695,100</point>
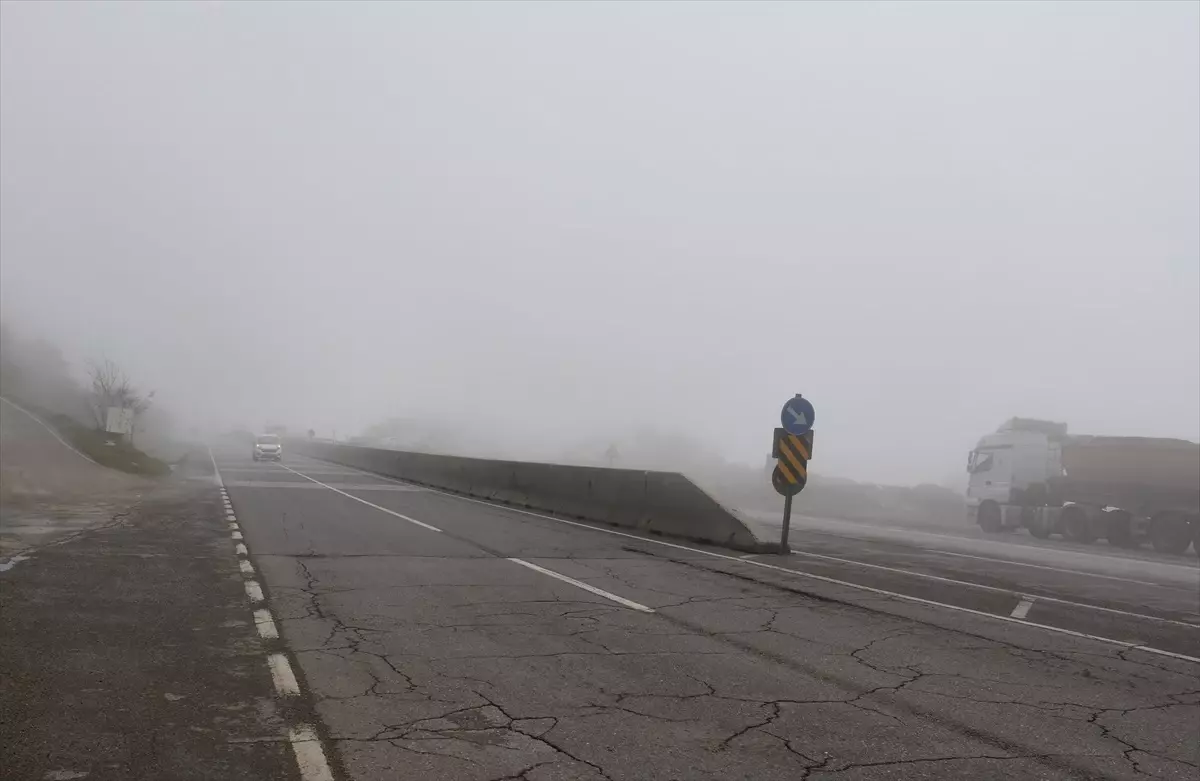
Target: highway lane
<point>431,652</point>
<point>1099,558</point>
<point>1160,611</point>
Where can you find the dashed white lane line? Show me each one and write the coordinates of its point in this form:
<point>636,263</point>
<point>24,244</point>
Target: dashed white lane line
<point>310,757</point>
<point>579,584</point>
<point>422,524</point>
<point>233,527</point>
<point>266,625</point>
<point>1022,608</point>
<point>282,675</point>
<point>584,586</point>
<point>860,587</point>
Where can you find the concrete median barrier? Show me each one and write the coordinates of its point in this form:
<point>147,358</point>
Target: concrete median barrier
<point>663,503</point>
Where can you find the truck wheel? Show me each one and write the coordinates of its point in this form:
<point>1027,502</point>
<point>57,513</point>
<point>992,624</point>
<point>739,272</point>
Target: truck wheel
<point>1077,526</point>
<point>1120,529</point>
<point>990,519</point>
<point>1170,533</point>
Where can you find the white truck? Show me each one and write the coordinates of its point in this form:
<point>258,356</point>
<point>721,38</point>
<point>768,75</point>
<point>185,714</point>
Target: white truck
<point>1031,473</point>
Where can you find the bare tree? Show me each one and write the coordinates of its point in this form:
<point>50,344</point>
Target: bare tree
<point>111,388</point>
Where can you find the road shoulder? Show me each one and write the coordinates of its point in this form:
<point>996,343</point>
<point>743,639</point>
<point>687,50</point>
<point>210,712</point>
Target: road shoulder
<point>129,652</point>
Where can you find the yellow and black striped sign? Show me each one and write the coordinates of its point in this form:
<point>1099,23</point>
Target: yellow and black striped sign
<point>792,454</point>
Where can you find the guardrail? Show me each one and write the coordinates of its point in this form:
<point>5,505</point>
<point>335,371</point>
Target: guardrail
<point>663,503</point>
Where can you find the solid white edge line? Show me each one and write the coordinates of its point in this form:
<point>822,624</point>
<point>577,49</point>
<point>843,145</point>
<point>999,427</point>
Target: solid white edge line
<point>49,428</point>
<point>246,567</point>
<point>422,524</point>
<point>1046,567</point>
<point>216,472</point>
<point>254,591</point>
<point>310,756</point>
<point>580,584</point>
<point>848,584</point>
<point>266,625</point>
<point>1022,608</point>
<point>282,675</point>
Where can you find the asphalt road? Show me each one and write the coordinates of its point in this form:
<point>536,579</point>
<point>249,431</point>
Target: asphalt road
<point>437,637</point>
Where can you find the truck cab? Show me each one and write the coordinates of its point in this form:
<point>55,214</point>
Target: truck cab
<point>1013,466</point>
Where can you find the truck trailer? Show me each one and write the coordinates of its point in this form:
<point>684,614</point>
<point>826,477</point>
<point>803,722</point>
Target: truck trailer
<point>1033,474</point>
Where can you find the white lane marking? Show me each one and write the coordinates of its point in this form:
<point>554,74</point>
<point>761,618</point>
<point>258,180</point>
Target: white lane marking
<point>993,589</point>
<point>266,625</point>
<point>282,675</point>
<point>254,591</point>
<point>230,516</point>
<point>216,472</point>
<point>49,428</point>
<point>240,550</point>
<point>310,757</point>
<point>860,587</point>
<point>246,566</point>
<point>364,501</point>
<point>1022,608</point>
<point>237,535</point>
<point>584,586</point>
<point>233,527</point>
<point>1043,566</point>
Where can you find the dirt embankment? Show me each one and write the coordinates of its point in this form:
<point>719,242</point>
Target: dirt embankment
<point>48,489</point>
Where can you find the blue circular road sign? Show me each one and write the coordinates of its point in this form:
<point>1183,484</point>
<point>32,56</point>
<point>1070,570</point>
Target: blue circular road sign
<point>798,416</point>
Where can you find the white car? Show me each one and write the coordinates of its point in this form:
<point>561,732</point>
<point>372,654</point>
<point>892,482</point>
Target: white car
<point>267,447</point>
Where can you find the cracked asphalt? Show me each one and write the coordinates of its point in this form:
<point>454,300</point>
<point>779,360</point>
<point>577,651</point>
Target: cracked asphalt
<point>429,654</point>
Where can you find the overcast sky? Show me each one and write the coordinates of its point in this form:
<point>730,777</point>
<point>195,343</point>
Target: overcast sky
<point>565,220</point>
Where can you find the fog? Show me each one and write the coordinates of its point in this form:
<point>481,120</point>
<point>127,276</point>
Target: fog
<point>554,224</point>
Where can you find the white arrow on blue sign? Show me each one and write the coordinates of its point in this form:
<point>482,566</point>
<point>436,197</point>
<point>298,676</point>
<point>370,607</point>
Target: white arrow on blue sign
<point>798,416</point>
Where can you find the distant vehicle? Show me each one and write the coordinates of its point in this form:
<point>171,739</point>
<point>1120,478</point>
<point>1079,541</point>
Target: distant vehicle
<point>1127,489</point>
<point>267,447</point>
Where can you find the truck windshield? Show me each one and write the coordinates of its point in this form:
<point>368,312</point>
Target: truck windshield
<point>979,461</point>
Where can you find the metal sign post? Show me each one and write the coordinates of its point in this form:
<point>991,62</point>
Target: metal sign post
<point>792,449</point>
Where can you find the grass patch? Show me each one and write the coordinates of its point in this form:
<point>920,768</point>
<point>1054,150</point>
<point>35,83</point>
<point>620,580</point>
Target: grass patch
<point>98,446</point>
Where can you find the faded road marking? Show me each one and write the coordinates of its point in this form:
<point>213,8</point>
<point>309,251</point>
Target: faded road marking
<point>584,586</point>
<point>266,625</point>
<point>1022,608</point>
<point>247,567</point>
<point>254,591</point>
<point>310,757</point>
<point>364,501</point>
<point>282,675</point>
